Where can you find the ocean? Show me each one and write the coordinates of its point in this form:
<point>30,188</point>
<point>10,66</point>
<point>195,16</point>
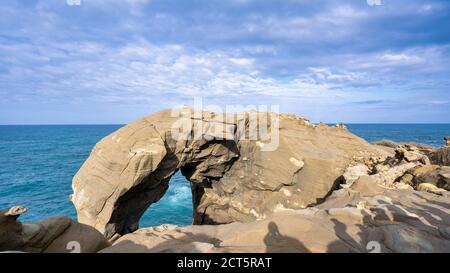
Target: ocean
<point>37,163</point>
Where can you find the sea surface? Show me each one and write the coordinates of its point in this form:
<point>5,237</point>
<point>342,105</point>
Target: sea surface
<point>37,163</point>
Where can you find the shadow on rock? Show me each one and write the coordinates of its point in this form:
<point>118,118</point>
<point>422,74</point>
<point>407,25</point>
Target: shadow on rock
<point>186,243</point>
<point>347,243</point>
<point>277,242</point>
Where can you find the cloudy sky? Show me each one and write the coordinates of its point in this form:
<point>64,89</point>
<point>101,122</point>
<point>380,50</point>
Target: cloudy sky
<point>112,61</point>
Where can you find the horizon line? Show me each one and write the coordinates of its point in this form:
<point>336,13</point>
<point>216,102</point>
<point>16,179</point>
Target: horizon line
<point>330,123</point>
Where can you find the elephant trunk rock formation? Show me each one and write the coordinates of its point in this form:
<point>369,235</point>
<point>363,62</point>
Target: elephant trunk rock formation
<point>233,177</point>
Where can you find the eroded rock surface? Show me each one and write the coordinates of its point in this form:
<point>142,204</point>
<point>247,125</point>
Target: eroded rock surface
<point>374,211</point>
<point>440,156</point>
<point>363,218</point>
<point>393,204</point>
<point>233,177</point>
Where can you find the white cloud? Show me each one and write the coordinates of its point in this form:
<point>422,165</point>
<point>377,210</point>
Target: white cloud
<point>242,61</point>
<point>73,2</point>
<point>142,71</point>
<point>422,58</point>
<point>400,58</point>
<point>427,8</point>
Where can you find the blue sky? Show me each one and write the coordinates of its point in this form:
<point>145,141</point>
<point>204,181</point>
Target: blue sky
<point>112,61</point>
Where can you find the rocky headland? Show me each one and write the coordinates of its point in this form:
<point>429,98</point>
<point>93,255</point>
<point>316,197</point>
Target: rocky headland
<point>322,189</point>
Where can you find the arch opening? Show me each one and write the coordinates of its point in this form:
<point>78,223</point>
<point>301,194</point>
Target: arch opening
<point>175,207</point>
<point>208,163</point>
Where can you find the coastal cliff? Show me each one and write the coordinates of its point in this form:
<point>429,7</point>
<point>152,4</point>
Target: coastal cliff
<point>320,189</point>
<point>232,177</point>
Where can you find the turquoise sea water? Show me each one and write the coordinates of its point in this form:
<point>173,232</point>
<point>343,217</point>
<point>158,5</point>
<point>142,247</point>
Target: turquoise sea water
<point>37,164</point>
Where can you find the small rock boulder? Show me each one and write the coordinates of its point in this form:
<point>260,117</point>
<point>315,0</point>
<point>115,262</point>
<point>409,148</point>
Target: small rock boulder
<point>440,156</point>
<point>411,154</point>
<point>429,188</point>
<point>447,140</point>
<point>438,176</point>
<point>55,234</point>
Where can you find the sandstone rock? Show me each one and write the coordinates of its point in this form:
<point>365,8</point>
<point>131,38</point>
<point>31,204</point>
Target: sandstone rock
<point>411,155</point>
<point>10,229</point>
<point>445,231</point>
<point>55,234</point>
<point>15,211</point>
<point>395,221</point>
<point>423,148</point>
<point>406,179</point>
<point>341,125</point>
<point>400,170</point>
<point>363,217</point>
<point>367,186</point>
<point>429,188</point>
<point>352,174</point>
<point>438,176</point>
<point>387,143</point>
<point>440,156</point>
<point>233,178</point>
<point>404,239</point>
<point>389,176</point>
<point>421,170</point>
<point>403,186</point>
<point>447,140</point>
<point>348,214</point>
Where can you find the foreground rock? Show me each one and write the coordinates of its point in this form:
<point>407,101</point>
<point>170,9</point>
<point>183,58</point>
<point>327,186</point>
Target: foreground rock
<point>363,218</point>
<point>56,234</point>
<point>234,177</point>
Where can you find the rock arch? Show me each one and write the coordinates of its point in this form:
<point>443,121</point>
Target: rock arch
<point>232,177</point>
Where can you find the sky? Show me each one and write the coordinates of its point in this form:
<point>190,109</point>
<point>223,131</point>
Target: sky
<point>113,61</point>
